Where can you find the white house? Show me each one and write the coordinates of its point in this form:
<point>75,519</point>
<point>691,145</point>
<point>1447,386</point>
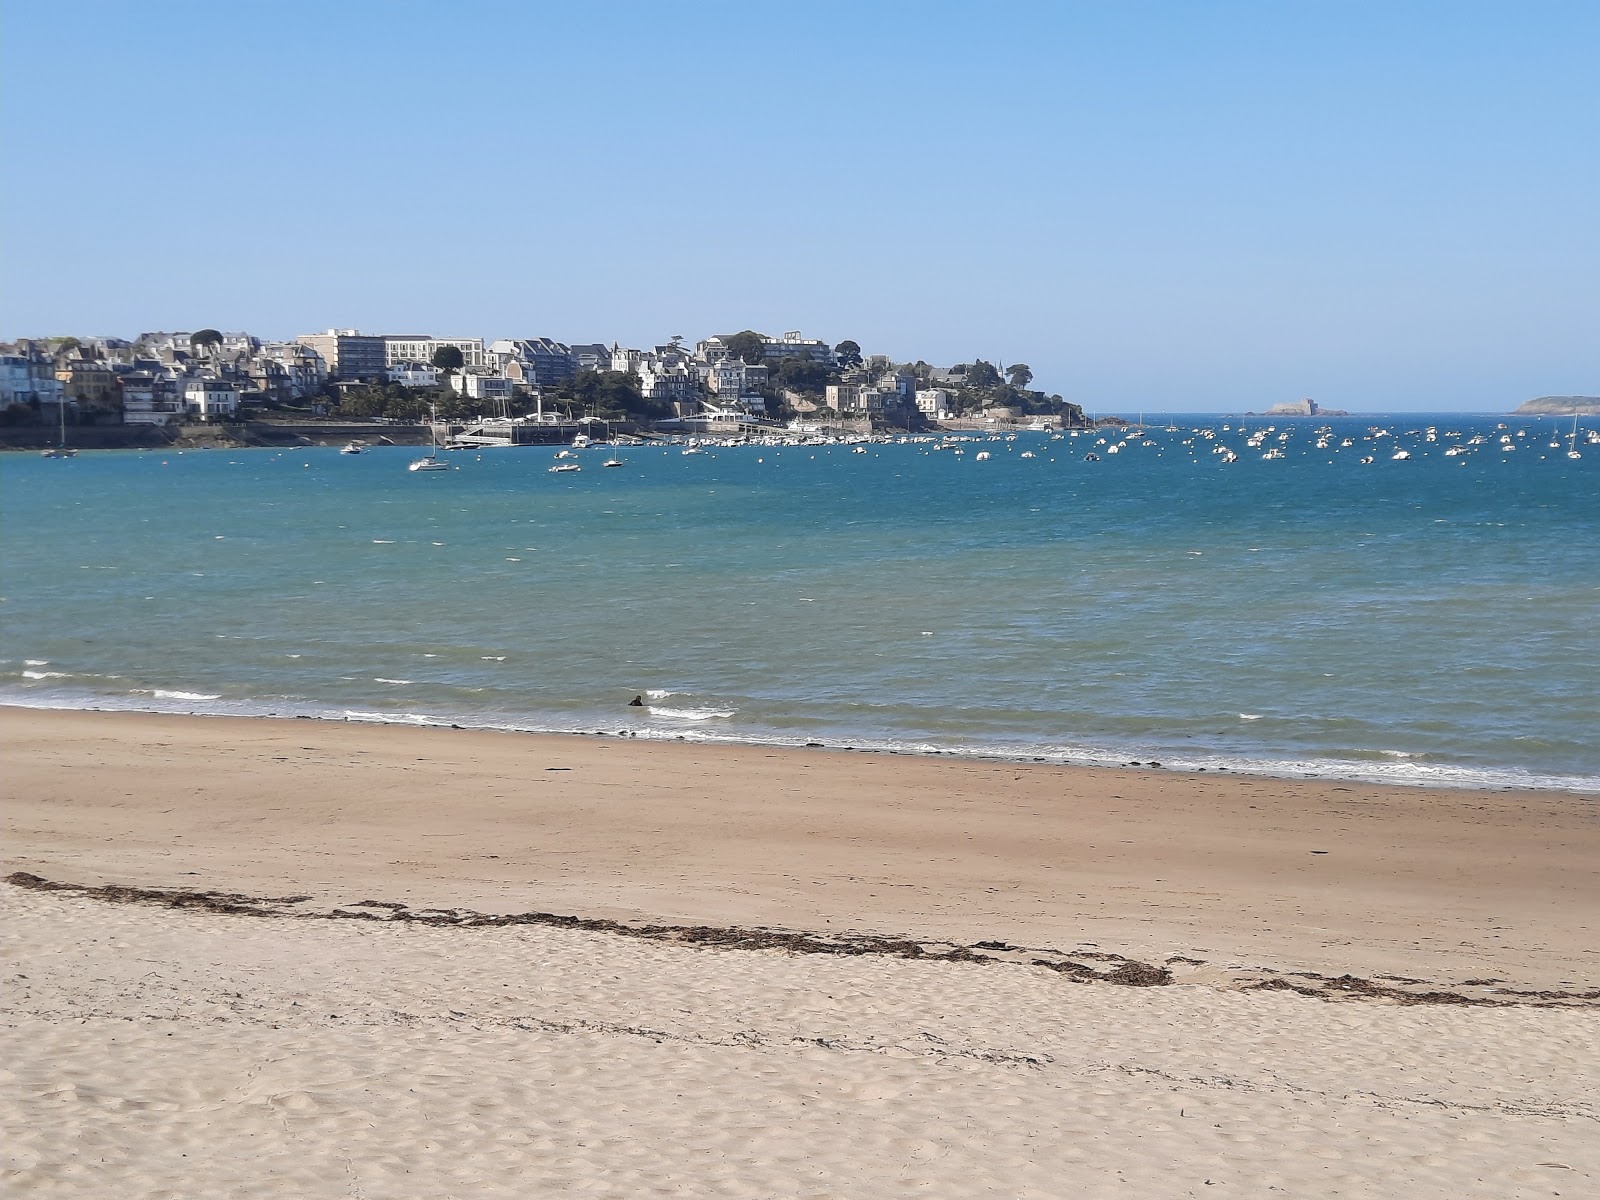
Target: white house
<point>210,399</point>
<point>483,387</point>
<point>415,375</point>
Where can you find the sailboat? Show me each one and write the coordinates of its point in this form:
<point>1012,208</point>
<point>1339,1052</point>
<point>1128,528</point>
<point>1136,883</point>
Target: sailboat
<point>432,462</point>
<point>61,449</point>
<point>1572,441</point>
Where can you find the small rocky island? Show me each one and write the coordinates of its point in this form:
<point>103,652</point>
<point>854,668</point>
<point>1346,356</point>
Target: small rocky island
<point>1560,406</point>
<point>1304,408</point>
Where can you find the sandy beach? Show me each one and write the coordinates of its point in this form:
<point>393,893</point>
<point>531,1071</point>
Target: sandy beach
<point>262,958</point>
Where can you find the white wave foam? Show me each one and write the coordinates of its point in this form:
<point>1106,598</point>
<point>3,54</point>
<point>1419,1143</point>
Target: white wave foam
<point>689,714</point>
<point>36,662</point>
<point>658,693</point>
<point>389,718</point>
<point>1249,716</point>
<point>45,675</point>
<point>164,694</point>
<point>379,679</point>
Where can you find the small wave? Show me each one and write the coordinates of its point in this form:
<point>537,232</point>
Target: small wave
<point>379,679</point>
<point>1249,716</point>
<point>36,662</point>
<point>45,675</point>
<point>689,714</point>
<point>658,693</point>
<point>382,542</point>
<point>164,694</point>
<point>494,658</point>
<point>389,718</point>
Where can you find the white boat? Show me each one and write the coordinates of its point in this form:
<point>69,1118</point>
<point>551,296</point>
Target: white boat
<point>1400,455</point>
<point>61,449</point>
<point>432,462</point>
<point>1572,441</point>
<point>353,448</point>
<point>612,462</point>
<point>566,466</point>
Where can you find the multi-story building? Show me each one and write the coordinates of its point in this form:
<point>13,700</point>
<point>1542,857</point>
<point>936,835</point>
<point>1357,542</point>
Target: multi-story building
<point>934,402</point>
<point>540,362</point>
<point>482,387</point>
<point>902,383</point>
<point>29,378</point>
<point>210,399</point>
<point>145,401</point>
<point>90,386</point>
<point>672,384</point>
<point>413,375</point>
<point>419,347</point>
<point>349,353</point>
<point>729,377</point>
<point>305,370</point>
<point>591,357</point>
<point>844,397</point>
<point>627,361</point>
<point>795,345</point>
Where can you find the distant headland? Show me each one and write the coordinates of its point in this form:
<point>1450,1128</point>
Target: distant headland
<point>1560,406</point>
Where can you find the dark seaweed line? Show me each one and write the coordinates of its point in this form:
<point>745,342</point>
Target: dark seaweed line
<point>1127,973</point>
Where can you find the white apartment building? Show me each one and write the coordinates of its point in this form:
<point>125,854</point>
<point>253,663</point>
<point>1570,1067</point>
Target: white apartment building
<point>209,399</point>
<point>794,344</point>
<point>419,348</point>
<point>934,402</point>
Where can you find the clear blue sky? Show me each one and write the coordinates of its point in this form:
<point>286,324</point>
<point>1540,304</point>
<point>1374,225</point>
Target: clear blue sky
<point>1197,206</point>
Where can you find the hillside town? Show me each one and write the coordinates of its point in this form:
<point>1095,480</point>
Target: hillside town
<point>744,381</point>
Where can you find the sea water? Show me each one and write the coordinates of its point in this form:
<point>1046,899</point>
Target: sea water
<point>1335,611</point>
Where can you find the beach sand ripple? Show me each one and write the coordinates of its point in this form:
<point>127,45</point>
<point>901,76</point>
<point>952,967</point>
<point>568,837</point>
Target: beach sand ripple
<point>156,1052</point>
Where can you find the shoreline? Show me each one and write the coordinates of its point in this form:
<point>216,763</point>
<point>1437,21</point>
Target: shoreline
<point>1280,875</point>
<point>1450,777</point>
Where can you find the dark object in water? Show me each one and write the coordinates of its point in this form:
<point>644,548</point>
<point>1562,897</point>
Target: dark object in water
<point>636,702</point>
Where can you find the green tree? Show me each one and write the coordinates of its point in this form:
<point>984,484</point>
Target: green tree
<point>448,359</point>
<point>1019,375</point>
<point>802,375</point>
<point>612,395</point>
<point>982,375</point>
<point>748,346</point>
<point>849,354</point>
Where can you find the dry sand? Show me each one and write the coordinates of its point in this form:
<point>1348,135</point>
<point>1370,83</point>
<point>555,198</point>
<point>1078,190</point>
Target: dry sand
<point>286,1050</point>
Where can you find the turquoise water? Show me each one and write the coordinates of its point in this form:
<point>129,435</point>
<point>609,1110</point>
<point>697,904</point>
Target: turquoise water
<point>1429,620</point>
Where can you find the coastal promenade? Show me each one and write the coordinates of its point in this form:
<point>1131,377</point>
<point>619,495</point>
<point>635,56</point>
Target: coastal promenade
<point>346,959</point>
